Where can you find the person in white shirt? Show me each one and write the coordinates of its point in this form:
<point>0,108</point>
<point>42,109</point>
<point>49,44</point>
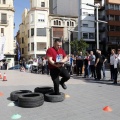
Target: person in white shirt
<point>112,57</point>
<point>115,69</point>
<point>118,67</point>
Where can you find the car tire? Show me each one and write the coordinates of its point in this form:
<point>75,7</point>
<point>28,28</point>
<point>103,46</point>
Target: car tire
<point>14,95</point>
<point>30,100</point>
<point>44,89</point>
<point>51,97</point>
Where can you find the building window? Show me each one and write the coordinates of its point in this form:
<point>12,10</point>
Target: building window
<point>32,18</point>
<point>41,46</point>
<point>72,23</point>
<point>32,46</point>
<point>91,36</point>
<point>42,4</point>
<point>67,23</point>
<point>54,22</point>
<point>32,31</point>
<point>117,28</point>
<point>85,35</point>
<point>2,31</point>
<point>111,6</point>
<point>3,18</point>
<point>59,22</point>
<point>116,7</point>
<point>28,47</point>
<point>112,28</point>
<point>4,1</point>
<point>41,32</point>
<point>117,17</point>
<point>22,50</point>
<point>41,18</point>
<point>85,25</point>
<point>111,17</point>
<point>22,39</point>
<point>28,33</point>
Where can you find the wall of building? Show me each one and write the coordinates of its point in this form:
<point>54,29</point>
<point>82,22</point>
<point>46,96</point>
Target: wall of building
<point>8,27</point>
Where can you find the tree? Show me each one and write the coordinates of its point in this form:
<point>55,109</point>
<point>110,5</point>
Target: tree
<point>79,45</point>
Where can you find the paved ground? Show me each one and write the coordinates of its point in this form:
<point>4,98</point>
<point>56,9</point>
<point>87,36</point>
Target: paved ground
<point>86,102</point>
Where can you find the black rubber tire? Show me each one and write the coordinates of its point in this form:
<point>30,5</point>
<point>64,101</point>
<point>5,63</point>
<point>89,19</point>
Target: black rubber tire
<point>44,90</point>
<point>50,97</point>
<point>14,95</point>
<point>30,100</point>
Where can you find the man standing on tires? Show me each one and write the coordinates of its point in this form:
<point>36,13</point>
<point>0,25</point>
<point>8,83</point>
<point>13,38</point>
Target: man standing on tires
<point>56,59</point>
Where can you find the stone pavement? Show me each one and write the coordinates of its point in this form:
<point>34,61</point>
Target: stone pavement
<point>86,102</point>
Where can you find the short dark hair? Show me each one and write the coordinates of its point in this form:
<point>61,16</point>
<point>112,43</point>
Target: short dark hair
<point>58,40</point>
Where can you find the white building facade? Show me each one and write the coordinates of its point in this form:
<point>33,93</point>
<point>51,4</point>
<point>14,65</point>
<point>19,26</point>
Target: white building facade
<point>39,28</point>
<point>87,19</point>
<point>33,33</point>
<point>7,28</point>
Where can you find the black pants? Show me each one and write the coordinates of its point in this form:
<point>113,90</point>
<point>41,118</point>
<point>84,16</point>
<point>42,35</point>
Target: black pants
<point>92,68</point>
<point>68,67</point>
<point>115,75</point>
<point>55,73</point>
<point>98,71</point>
<point>112,71</point>
<point>79,69</point>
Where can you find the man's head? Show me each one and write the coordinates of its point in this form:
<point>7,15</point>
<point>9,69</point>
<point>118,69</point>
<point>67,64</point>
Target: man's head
<point>113,51</point>
<point>118,51</point>
<point>57,44</point>
<point>80,52</point>
<point>91,52</point>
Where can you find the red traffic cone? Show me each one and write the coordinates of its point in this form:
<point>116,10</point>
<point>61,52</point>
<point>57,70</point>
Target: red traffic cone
<point>107,109</point>
<point>4,77</point>
<point>0,76</point>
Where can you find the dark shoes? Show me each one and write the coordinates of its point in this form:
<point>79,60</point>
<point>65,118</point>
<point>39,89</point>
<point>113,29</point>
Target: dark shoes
<point>63,85</point>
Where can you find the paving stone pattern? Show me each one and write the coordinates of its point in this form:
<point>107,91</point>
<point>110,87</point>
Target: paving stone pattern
<point>86,102</point>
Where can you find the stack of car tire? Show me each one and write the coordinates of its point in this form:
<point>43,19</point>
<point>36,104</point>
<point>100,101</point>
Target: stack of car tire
<point>29,99</point>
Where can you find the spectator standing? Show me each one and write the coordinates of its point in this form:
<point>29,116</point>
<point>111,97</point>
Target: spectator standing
<point>79,63</point>
<point>98,65</point>
<point>112,57</point>
<point>92,64</point>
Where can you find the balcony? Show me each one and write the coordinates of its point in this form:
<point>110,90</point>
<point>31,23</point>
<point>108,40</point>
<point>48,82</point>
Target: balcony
<point>3,22</point>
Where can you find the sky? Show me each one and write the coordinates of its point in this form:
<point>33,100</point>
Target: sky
<point>19,6</point>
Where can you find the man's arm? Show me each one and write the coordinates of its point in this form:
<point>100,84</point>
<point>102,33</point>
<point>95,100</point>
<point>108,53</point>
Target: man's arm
<point>50,60</point>
<point>65,59</point>
<point>97,61</point>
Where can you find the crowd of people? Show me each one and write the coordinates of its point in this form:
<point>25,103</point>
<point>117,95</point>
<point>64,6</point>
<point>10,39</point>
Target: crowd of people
<point>93,64</point>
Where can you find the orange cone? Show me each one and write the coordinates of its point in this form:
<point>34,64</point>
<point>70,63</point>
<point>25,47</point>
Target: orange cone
<point>0,76</point>
<point>107,109</point>
<point>4,77</point>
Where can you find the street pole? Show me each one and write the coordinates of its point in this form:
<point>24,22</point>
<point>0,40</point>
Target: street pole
<point>78,19</point>
<point>97,28</point>
<point>69,42</point>
<point>52,35</point>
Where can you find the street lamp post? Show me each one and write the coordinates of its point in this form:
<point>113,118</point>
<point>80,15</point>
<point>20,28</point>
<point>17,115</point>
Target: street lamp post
<point>97,22</point>
<point>79,19</point>
<point>97,27</point>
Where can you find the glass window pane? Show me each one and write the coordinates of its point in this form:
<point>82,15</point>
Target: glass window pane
<point>41,31</point>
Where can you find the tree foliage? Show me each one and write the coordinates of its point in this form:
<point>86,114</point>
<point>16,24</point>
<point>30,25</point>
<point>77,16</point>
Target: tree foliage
<point>79,45</point>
